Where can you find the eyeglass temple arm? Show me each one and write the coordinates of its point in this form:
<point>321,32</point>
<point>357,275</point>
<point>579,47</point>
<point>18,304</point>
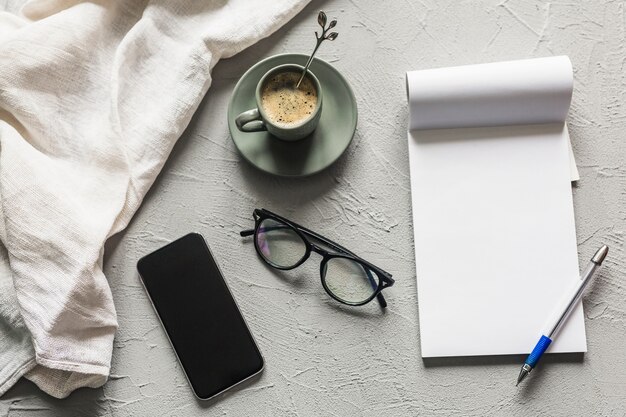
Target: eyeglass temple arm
<point>319,237</point>
<point>381,300</point>
<point>250,232</point>
<point>336,246</point>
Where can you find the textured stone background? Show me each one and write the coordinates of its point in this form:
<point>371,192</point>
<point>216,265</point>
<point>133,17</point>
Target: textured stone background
<point>321,358</point>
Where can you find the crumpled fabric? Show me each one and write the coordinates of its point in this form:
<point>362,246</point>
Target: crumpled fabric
<point>93,96</point>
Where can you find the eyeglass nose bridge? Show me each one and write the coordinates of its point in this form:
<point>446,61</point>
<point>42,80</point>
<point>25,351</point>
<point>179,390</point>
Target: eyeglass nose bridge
<point>319,250</point>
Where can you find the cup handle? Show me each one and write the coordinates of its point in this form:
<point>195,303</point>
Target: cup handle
<point>250,121</point>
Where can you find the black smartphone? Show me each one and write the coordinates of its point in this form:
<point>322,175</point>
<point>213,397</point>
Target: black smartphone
<point>200,316</point>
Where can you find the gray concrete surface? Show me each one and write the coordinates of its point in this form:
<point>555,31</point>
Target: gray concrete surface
<point>324,359</point>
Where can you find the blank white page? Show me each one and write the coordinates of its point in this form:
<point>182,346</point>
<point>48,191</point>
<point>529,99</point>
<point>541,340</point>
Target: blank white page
<point>495,242</point>
<point>495,239</point>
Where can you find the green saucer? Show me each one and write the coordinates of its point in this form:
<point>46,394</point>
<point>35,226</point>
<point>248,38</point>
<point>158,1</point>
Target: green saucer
<point>311,154</point>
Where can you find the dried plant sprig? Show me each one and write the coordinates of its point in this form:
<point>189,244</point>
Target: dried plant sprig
<point>321,19</point>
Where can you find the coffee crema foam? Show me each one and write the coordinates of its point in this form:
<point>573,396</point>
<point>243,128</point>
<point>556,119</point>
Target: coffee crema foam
<point>283,103</point>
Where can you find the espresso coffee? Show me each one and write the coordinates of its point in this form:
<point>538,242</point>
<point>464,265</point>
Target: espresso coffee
<point>283,103</point>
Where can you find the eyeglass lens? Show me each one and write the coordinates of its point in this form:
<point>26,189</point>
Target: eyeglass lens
<point>349,281</point>
<point>279,244</point>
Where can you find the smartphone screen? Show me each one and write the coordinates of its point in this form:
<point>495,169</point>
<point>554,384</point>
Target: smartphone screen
<point>200,316</point>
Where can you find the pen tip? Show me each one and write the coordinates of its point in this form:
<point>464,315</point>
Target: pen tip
<point>598,258</point>
<point>523,373</point>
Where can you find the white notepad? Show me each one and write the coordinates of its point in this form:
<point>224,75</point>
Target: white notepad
<point>495,240</point>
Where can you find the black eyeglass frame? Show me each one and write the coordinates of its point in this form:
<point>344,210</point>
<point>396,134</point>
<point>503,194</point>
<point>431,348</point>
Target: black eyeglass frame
<point>384,279</point>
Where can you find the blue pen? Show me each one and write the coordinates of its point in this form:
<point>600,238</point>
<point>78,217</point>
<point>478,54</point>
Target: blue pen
<point>557,322</point>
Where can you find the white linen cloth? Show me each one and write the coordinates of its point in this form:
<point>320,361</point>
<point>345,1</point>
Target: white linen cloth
<point>93,96</point>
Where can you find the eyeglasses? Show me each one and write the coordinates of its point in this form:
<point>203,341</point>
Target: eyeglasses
<point>347,278</point>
